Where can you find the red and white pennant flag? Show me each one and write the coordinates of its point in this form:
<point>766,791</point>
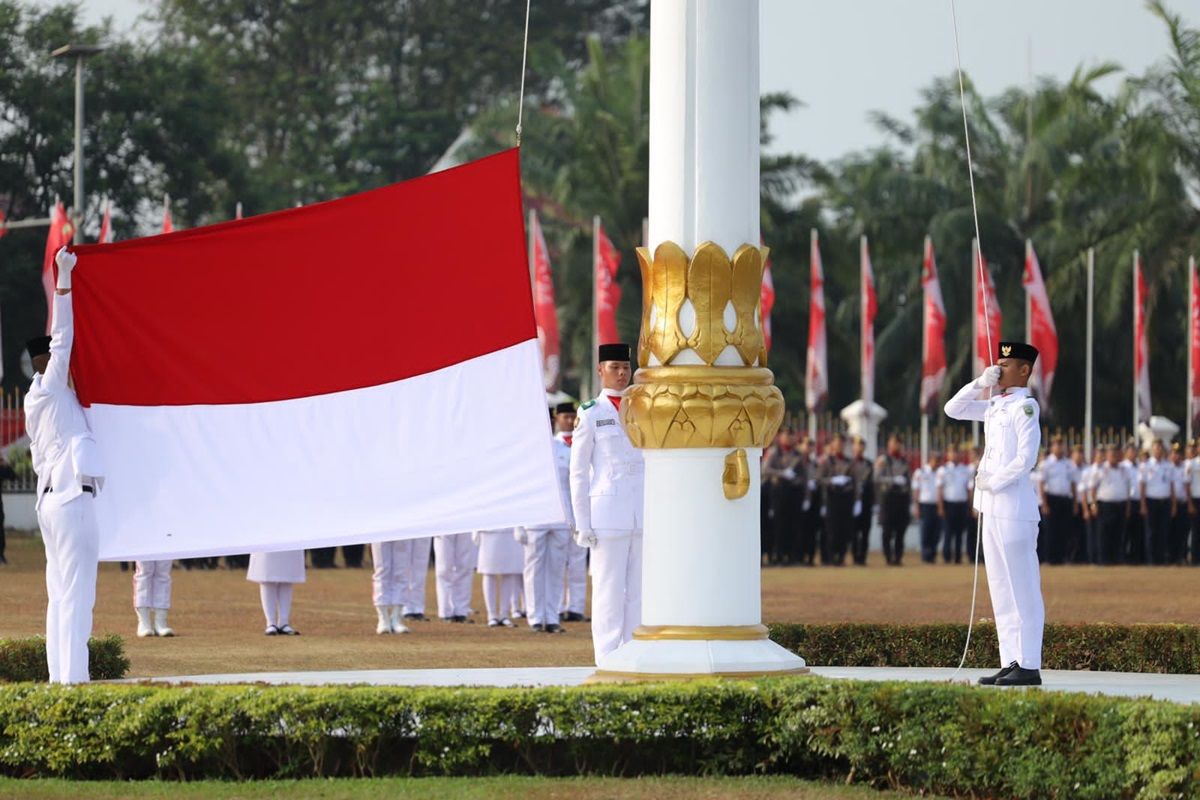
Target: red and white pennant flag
<point>816,375</point>
<point>1141,349</point>
<point>870,307</point>
<point>987,313</point>
<point>544,311</point>
<point>933,345</point>
<point>608,291</point>
<point>1194,343</point>
<point>1042,333</point>
<point>299,379</point>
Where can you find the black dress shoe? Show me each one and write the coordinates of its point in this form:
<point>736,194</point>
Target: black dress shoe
<point>572,616</point>
<point>537,627</point>
<point>1021,677</point>
<point>552,628</point>
<point>990,680</point>
<point>417,617</point>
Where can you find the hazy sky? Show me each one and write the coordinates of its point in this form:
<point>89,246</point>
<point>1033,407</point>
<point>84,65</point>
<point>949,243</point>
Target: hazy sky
<point>845,58</point>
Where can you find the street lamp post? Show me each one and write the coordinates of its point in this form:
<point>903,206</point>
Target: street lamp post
<point>79,52</point>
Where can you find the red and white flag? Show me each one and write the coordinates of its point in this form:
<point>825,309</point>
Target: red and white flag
<point>60,234</point>
<point>1194,343</point>
<point>1042,333</point>
<point>870,308</point>
<point>933,344</point>
<point>608,291</point>
<point>987,313</point>
<point>106,224</point>
<point>167,226</point>
<point>1141,348</point>
<point>544,311</point>
<point>766,302</point>
<point>271,402</point>
<point>816,374</point>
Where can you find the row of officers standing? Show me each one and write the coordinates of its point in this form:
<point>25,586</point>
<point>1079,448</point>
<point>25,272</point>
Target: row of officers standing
<point>1126,507</point>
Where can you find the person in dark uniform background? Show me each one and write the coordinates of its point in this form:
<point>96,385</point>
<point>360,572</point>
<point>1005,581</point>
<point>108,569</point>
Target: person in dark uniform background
<point>843,501</point>
<point>7,473</point>
<point>805,552</point>
<point>893,477</point>
<point>786,478</point>
<point>864,476</point>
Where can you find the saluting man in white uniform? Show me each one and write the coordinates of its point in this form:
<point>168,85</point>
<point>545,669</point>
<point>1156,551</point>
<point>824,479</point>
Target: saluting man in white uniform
<point>69,474</point>
<point>607,485</point>
<point>1005,497</point>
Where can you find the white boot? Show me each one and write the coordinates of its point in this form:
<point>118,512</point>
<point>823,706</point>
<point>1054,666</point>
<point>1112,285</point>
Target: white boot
<point>145,626</point>
<point>396,618</point>
<point>385,624</point>
<point>161,628</point>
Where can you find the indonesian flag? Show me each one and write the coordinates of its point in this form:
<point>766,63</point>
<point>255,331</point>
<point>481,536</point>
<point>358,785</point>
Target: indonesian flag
<point>766,302</point>
<point>167,226</point>
<point>933,345</point>
<point>106,224</point>
<point>1141,349</point>
<point>351,371</point>
<point>61,231</point>
<point>870,308</point>
<point>1194,348</point>
<point>987,314</point>
<point>608,291</point>
<point>1042,333</point>
<point>544,311</point>
<point>816,375</point>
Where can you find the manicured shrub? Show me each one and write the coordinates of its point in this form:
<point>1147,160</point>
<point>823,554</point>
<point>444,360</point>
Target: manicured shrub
<point>1101,647</point>
<point>25,659</point>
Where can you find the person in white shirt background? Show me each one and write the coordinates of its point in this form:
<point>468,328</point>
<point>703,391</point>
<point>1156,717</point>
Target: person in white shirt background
<point>954,486</point>
<point>1158,502</point>
<point>925,507</point>
<point>1177,547</point>
<point>1059,479</point>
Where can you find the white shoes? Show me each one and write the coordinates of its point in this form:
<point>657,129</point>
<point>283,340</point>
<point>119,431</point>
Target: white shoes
<point>390,620</point>
<point>145,625</point>
<point>161,628</point>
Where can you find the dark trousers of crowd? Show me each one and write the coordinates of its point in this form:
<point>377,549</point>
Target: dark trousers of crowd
<point>893,520</point>
<point>789,530</point>
<point>839,526</point>
<point>1120,534</point>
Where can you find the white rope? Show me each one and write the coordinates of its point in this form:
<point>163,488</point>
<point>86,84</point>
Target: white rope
<point>524,54</point>
<point>962,98</point>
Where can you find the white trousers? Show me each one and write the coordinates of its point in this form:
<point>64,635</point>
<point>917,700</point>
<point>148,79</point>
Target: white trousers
<point>276,602</point>
<point>616,590</point>
<point>456,556</point>
<point>389,581</point>
<point>498,594</point>
<point>574,596</point>
<point>545,566</point>
<point>152,584</point>
<point>418,571</point>
<point>1015,584</point>
<point>72,543</point>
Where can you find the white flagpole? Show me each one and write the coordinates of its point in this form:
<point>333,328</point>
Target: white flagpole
<point>974,326</point>
<point>1087,390</point>
<point>1136,317</point>
<point>595,305</point>
<point>1191,326</point>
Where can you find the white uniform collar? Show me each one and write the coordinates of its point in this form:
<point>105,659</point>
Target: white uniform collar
<point>611,393</point>
<point>1013,392</point>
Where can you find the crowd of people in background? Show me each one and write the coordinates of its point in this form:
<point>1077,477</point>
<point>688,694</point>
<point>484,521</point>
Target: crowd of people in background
<point>1130,505</point>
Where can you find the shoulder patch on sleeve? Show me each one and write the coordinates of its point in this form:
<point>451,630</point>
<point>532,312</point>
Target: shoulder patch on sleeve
<point>1028,409</point>
<point>578,422</point>
<point>587,405</point>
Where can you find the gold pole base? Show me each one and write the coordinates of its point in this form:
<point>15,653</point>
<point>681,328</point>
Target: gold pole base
<point>603,676</point>
<point>705,633</point>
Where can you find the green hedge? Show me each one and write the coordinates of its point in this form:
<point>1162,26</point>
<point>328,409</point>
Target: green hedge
<point>1109,648</point>
<point>924,737</point>
<point>25,659</point>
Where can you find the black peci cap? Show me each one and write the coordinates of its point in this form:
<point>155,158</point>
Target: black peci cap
<point>38,346</point>
<point>614,352</point>
<point>564,408</point>
<point>1025,352</point>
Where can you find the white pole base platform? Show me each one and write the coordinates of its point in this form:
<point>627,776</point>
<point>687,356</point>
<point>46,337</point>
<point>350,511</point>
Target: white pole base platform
<point>642,659</point>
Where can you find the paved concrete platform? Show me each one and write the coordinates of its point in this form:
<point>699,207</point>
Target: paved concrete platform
<point>1175,688</point>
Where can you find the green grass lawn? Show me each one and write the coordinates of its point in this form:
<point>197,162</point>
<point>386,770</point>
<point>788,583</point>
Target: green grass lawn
<point>501,788</point>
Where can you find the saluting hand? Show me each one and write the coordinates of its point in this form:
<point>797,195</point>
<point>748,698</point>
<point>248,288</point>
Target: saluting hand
<point>989,378</point>
<point>65,260</point>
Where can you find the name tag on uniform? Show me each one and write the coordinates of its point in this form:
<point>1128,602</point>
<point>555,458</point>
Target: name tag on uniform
<point>600,423</point>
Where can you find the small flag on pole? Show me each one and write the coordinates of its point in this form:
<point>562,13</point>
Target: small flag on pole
<point>816,374</point>
<point>608,291</point>
<point>933,345</point>
<point>106,224</point>
<point>1042,333</point>
<point>61,231</point>
<point>766,303</point>
<point>1141,348</point>
<point>167,226</point>
<point>987,313</point>
<point>870,308</point>
<point>544,311</point>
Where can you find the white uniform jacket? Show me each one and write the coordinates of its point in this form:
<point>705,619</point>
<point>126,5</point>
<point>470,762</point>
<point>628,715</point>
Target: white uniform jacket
<point>61,445</point>
<point>607,471</point>
<point>562,468</point>
<point>1012,434</point>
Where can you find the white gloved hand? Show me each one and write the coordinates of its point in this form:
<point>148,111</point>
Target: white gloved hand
<point>521,535</point>
<point>857,508</point>
<point>983,482</point>
<point>807,505</point>
<point>586,538</point>
<point>66,262</point>
<point>989,378</point>
<point>789,473</point>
